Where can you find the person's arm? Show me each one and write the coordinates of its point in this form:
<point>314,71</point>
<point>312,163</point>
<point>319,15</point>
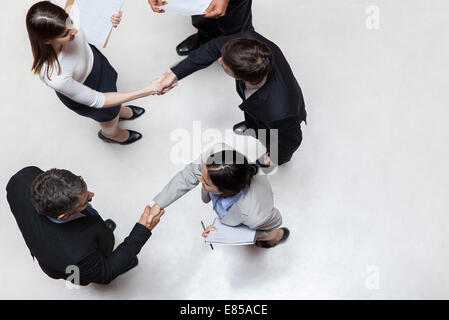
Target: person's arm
<point>185,180</point>
<point>199,59</point>
<point>82,94</point>
<point>117,98</point>
<point>202,57</point>
<point>100,269</point>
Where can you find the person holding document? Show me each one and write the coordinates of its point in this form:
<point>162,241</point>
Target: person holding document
<point>222,17</point>
<point>80,74</point>
<point>238,194</point>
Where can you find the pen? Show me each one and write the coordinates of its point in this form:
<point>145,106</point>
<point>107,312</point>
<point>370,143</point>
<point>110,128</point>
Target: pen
<point>205,229</point>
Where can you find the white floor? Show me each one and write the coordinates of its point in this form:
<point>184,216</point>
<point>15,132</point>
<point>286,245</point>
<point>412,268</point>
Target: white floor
<point>365,198</point>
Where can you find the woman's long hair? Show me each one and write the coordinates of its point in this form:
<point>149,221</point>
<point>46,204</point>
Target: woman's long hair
<point>230,171</point>
<point>45,22</point>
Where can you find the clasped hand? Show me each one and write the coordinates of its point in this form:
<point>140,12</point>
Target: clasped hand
<point>163,84</point>
<point>151,216</point>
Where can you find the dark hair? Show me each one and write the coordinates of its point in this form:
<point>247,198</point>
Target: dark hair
<point>45,21</point>
<point>249,59</point>
<point>230,171</point>
<point>56,192</point>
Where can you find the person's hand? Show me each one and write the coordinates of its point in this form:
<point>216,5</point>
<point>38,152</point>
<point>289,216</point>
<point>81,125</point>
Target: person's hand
<point>216,9</point>
<point>155,209</point>
<point>208,229</point>
<point>150,218</point>
<point>157,3</point>
<point>116,18</point>
<point>155,86</point>
<point>267,160</point>
<point>169,81</point>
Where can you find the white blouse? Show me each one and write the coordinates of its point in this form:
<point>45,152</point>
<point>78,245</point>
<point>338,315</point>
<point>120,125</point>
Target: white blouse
<point>76,60</point>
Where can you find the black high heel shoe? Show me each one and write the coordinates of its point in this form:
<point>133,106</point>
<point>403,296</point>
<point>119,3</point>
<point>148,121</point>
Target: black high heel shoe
<point>137,112</point>
<point>133,137</point>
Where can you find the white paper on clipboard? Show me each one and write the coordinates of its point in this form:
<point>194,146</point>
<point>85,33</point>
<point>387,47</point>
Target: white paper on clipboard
<point>186,7</point>
<point>95,18</point>
<point>240,235</point>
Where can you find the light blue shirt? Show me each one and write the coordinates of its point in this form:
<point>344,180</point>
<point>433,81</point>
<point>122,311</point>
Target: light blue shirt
<point>222,205</point>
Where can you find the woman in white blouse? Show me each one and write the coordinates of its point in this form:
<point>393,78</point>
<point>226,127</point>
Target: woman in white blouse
<point>79,73</point>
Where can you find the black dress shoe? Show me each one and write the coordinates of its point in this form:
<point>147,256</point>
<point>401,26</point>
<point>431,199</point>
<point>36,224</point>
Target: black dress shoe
<point>137,112</point>
<point>133,137</point>
<point>187,46</point>
<point>240,128</point>
<point>111,224</point>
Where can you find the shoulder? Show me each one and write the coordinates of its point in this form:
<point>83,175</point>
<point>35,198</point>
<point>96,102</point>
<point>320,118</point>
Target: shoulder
<point>27,172</point>
<point>257,195</point>
<point>260,183</point>
<point>259,190</point>
<point>23,177</point>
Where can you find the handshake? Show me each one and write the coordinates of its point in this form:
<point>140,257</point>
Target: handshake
<point>163,84</point>
<point>151,216</point>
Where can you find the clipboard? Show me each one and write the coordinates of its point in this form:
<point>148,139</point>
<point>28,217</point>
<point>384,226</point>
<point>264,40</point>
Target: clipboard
<point>227,235</point>
<point>68,7</point>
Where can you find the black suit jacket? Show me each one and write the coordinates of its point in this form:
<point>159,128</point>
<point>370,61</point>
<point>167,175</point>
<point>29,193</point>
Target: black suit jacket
<point>85,242</point>
<point>279,104</point>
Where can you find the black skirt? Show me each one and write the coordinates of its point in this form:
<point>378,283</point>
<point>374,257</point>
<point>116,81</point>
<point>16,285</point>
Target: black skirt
<point>102,78</point>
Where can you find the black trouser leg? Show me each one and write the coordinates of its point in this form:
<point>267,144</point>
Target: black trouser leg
<point>288,145</point>
<point>207,28</point>
<point>280,145</point>
<point>238,18</point>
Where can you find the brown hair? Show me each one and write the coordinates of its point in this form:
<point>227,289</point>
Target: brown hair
<point>45,21</point>
<point>249,59</point>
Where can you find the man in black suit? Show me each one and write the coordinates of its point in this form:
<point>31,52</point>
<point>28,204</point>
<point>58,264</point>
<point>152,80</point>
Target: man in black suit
<point>64,232</point>
<point>222,18</point>
<point>273,103</point>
